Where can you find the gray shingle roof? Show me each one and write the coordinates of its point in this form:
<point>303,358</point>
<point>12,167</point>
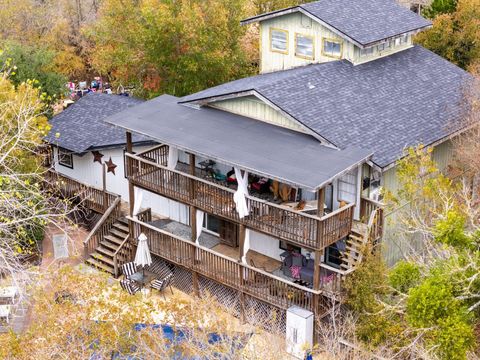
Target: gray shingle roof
<point>268,150</point>
<point>81,126</point>
<point>364,21</point>
<point>384,105</point>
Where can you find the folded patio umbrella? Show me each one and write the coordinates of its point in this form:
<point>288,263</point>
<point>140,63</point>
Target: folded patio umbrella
<point>143,257</point>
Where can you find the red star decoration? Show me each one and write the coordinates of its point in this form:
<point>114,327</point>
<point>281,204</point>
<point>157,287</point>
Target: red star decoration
<point>97,156</point>
<point>110,166</point>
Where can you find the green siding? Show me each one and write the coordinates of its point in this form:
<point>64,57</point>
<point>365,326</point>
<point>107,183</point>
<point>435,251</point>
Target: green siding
<point>396,244</point>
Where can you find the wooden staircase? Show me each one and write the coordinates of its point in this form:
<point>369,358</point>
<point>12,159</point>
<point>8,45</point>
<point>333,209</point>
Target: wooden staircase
<point>361,236</point>
<point>112,245</point>
<point>355,246</point>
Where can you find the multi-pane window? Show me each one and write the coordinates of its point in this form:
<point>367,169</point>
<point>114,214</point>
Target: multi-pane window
<point>332,48</point>
<point>65,158</point>
<point>347,187</point>
<point>304,46</point>
<point>366,52</point>
<point>279,40</point>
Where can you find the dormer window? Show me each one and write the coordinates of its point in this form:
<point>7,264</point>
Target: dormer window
<point>366,52</point>
<point>279,40</point>
<point>304,46</point>
<point>401,40</point>
<point>332,48</point>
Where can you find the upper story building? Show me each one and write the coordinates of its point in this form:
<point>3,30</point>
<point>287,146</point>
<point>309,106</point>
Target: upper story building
<point>355,30</point>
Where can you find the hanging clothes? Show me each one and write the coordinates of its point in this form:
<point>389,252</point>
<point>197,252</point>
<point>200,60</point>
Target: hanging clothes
<point>240,195</point>
<point>199,224</point>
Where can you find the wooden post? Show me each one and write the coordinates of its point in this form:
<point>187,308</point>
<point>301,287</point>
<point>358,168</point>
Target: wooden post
<point>241,241</point>
<point>193,223</point>
<point>318,256</point>
<point>192,172</point>
<point>104,181</point>
<point>320,202</point>
<point>131,189</point>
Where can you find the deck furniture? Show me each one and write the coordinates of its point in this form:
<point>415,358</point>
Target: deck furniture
<point>143,278</point>
<point>207,166</point>
<point>162,284</point>
<point>129,286</point>
<point>5,312</point>
<point>129,269</point>
<point>8,294</point>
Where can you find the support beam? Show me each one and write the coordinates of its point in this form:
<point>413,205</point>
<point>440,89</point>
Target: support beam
<point>241,241</point>
<point>131,189</point>
<point>106,205</point>
<point>129,142</point>
<point>320,202</point>
<point>193,222</point>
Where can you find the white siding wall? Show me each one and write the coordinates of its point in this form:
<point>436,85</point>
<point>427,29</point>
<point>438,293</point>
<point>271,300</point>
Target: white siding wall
<point>90,173</point>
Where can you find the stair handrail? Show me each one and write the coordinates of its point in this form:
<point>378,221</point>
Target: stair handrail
<point>87,244</point>
<point>115,255</point>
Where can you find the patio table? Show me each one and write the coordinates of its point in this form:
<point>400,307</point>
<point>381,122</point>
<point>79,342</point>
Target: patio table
<point>5,312</point>
<point>8,294</point>
<point>143,277</point>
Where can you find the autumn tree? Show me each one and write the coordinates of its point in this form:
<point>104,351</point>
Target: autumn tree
<point>456,36</point>
<point>176,47</point>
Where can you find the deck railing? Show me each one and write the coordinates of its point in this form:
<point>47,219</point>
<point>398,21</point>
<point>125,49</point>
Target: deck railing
<point>372,214</point>
<point>66,187</point>
<point>123,254</point>
<point>102,228</point>
<point>239,276</point>
<point>300,228</point>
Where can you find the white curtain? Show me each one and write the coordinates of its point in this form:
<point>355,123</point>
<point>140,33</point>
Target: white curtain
<point>200,216</point>
<point>137,204</point>
<point>242,191</point>
<point>172,157</point>
<point>246,246</point>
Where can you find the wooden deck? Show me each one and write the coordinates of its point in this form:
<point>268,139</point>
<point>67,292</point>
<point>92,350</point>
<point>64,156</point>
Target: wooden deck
<point>232,273</point>
<point>148,171</point>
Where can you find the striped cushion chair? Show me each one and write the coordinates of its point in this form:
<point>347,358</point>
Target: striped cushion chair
<point>161,284</point>
<point>129,286</point>
<point>129,269</point>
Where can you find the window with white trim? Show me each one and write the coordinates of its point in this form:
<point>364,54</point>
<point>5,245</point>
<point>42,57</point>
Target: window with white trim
<point>332,48</point>
<point>279,40</point>
<point>65,158</point>
<point>366,52</point>
<point>304,46</point>
<point>347,187</point>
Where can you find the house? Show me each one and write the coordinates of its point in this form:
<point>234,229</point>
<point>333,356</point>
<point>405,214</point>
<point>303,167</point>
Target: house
<point>280,173</point>
<point>82,142</point>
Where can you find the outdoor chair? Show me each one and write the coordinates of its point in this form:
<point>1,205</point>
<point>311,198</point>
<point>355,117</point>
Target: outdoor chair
<point>129,269</point>
<point>161,284</point>
<point>129,286</point>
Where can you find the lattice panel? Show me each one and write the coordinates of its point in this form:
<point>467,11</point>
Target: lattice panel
<point>267,316</point>
<point>226,297</point>
<point>182,279</point>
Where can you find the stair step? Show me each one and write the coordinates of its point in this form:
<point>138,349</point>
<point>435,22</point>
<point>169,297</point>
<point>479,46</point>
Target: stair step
<point>99,265</point>
<point>102,258</point>
<point>109,245</point>
<point>114,239</point>
<point>119,233</point>
<point>106,251</point>
<point>123,221</point>
<point>121,227</point>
